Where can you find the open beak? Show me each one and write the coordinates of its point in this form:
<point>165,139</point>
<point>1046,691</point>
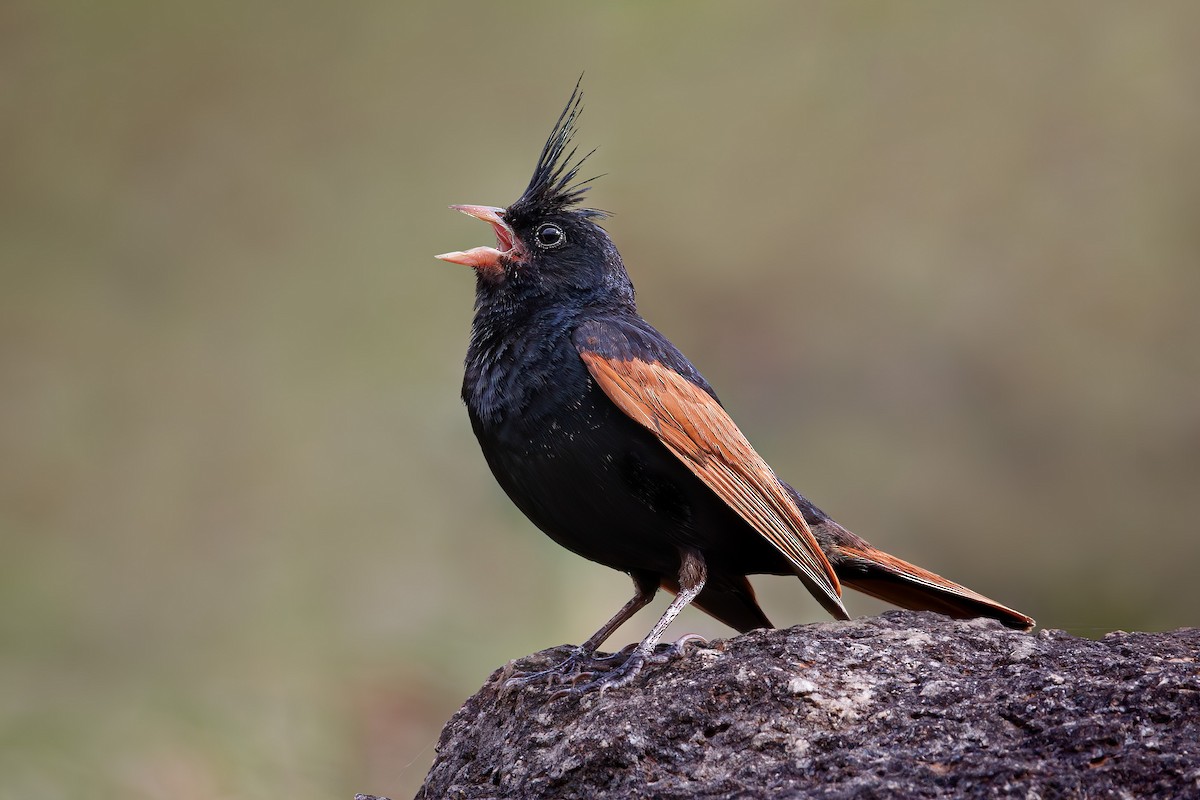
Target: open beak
<point>485,258</point>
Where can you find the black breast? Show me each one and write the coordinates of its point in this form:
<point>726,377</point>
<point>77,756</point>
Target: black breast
<point>587,475</point>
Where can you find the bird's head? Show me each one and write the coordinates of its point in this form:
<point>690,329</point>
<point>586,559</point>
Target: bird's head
<point>546,242</point>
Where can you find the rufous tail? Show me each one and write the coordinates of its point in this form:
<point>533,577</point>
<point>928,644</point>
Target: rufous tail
<point>860,566</point>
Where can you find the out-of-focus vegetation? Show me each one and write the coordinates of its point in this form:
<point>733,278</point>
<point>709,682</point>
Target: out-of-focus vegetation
<point>941,261</point>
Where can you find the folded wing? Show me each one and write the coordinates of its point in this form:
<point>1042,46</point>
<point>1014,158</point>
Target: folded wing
<point>697,430</point>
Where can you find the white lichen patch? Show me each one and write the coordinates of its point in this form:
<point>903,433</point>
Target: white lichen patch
<point>936,688</point>
<point>849,706</point>
<point>1022,649</point>
<point>917,639</point>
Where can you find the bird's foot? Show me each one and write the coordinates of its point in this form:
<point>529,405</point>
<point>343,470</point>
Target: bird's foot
<point>677,648</point>
<point>569,669</point>
<point>617,676</point>
<point>612,678</point>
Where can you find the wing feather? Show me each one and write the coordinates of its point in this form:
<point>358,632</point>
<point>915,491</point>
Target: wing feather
<point>698,431</point>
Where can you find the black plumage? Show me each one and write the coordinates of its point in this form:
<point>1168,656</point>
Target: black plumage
<point>613,444</point>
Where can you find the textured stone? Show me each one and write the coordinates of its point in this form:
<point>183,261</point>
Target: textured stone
<point>902,705</point>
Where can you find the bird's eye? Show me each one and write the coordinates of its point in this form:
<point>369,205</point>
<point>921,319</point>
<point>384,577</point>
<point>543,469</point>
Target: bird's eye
<point>550,236</point>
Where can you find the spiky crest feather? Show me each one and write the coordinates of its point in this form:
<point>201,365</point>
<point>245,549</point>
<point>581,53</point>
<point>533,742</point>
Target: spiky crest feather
<point>553,186</point>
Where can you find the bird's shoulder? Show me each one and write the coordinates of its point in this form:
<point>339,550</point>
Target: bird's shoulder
<point>626,336</point>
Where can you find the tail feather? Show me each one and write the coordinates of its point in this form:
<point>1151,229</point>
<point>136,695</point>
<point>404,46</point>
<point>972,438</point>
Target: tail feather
<point>893,580</point>
<point>896,581</point>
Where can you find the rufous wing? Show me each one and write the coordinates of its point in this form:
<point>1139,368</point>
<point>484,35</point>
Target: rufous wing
<point>693,426</point>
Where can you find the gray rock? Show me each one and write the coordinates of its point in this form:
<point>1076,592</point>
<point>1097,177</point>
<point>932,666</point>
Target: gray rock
<point>902,705</point>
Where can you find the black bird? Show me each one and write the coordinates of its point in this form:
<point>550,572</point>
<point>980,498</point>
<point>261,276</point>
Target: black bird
<point>613,444</point>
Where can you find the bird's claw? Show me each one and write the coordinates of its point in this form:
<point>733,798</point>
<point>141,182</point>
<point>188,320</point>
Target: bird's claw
<point>677,648</point>
<point>570,666</point>
<point>613,678</point>
<point>622,675</point>
<point>580,664</point>
<point>623,652</point>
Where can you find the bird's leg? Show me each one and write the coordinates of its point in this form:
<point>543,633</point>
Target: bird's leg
<point>645,587</point>
<point>692,575</point>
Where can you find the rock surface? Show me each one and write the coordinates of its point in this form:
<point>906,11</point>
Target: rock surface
<point>902,705</point>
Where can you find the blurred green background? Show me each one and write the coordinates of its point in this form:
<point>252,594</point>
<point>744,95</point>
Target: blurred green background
<point>940,260</point>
